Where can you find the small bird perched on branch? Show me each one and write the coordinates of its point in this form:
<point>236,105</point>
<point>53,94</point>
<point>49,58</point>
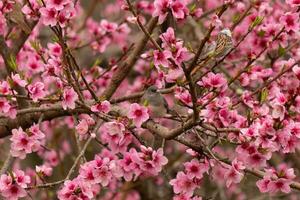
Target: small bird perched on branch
<point>156,103</point>
<point>158,108</point>
<point>216,50</point>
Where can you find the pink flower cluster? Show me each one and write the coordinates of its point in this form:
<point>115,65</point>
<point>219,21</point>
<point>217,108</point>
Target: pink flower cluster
<point>277,180</point>
<point>139,114</point>
<point>178,7</point>
<point>106,168</point>
<point>7,107</point>
<point>103,106</point>
<point>57,11</point>
<point>115,135</point>
<point>25,142</point>
<point>106,33</point>
<point>212,80</point>
<point>186,182</point>
<point>82,127</point>
<point>169,61</point>
<point>248,103</point>
<point>69,98</point>
<point>234,174</point>
<point>12,186</point>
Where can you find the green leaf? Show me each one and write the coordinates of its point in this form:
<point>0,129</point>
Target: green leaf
<point>263,95</point>
<point>258,20</point>
<point>12,62</point>
<point>146,103</point>
<point>261,33</point>
<point>236,17</point>
<point>281,51</point>
<point>97,62</point>
<point>35,45</point>
<point>152,65</point>
<point>193,7</point>
<point>190,48</point>
<point>55,39</point>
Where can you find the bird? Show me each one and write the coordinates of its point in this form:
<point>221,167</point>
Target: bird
<point>158,108</point>
<point>223,44</point>
<point>216,50</point>
<point>156,103</point>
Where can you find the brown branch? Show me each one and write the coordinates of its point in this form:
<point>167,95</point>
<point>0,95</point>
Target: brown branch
<point>241,18</point>
<point>142,27</point>
<point>26,120</point>
<point>123,70</point>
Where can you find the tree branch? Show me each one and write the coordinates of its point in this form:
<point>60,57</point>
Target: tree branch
<point>123,70</point>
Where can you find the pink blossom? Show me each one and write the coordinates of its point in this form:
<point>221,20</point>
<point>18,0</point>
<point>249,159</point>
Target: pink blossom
<point>4,87</point>
<point>69,99</point>
<point>139,114</point>
<point>182,184</point>
<point>52,158</point>
<point>278,112</point>
<point>263,185</point>
<point>5,182</point>
<point>21,143</point>
<point>293,3</point>
<point>18,81</point>
<point>97,171</point>
<point>54,49</point>
<point>35,132</point>
<point>159,159</point>
<point>161,9</point>
<point>21,179</point>
<point>184,96</point>
<point>196,12</point>
<point>234,174</point>
<point>216,21</point>
<point>44,170</point>
<point>14,192</point>
<point>195,169</point>
<point>279,185</point>
<point>296,70</point>
<point>179,9</point>
<point>4,106</point>
<point>174,74</point>
<point>130,165</point>
<point>76,189</point>
<point>12,188</point>
<point>290,21</point>
<point>168,38</point>
<point>36,91</point>
<point>35,65</point>
<point>2,24</point>
<point>103,106</point>
<point>108,26</point>
<point>277,180</point>
<point>182,54</point>
<point>213,80</point>
<point>48,16</point>
<point>24,143</point>
<point>82,129</point>
<point>113,128</point>
<point>161,58</point>
<point>57,4</point>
